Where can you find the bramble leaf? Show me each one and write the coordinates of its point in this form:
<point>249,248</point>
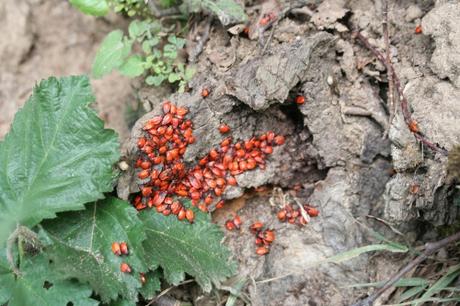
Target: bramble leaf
<point>92,7</point>
<point>6,279</point>
<point>39,284</point>
<point>152,286</point>
<point>56,157</point>
<point>111,54</point>
<point>82,247</point>
<point>180,247</point>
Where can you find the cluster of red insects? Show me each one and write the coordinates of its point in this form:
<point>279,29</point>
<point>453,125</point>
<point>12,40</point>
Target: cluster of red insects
<point>264,237</point>
<point>164,177</point>
<point>120,249</point>
<point>234,223</point>
<point>293,216</point>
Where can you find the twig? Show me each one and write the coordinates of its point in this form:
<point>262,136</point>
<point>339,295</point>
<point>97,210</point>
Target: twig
<point>268,41</point>
<point>402,99</point>
<point>281,15</point>
<point>273,278</point>
<point>386,223</point>
<point>200,44</point>
<point>362,112</point>
<point>430,249</point>
<point>158,13</point>
<point>391,102</point>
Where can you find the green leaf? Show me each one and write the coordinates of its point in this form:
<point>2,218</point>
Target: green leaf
<point>228,11</point>
<point>133,67</point>
<point>404,282</point>
<point>154,41</point>
<point>365,249</point>
<point>152,286</point>
<point>137,28</point>
<point>146,47</point>
<point>410,293</point>
<point>121,302</point>
<point>180,247</point>
<point>56,157</point>
<point>6,278</point>
<point>40,285</point>
<point>189,73</point>
<point>173,77</point>
<point>170,51</point>
<point>437,301</point>
<point>155,80</point>
<point>178,42</point>
<point>92,7</point>
<point>111,54</point>
<point>82,244</point>
<point>443,282</point>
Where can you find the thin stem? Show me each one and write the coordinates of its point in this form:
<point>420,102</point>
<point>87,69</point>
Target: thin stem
<point>402,99</point>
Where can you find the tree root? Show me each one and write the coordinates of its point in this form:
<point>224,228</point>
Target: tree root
<point>402,99</point>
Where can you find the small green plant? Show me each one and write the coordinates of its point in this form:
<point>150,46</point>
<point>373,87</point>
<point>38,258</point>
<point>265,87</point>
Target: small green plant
<point>159,60</point>
<point>57,226</point>
<point>159,57</point>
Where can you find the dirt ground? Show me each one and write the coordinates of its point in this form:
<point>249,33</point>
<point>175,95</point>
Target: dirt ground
<point>50,38</point>
<point>336,156</point>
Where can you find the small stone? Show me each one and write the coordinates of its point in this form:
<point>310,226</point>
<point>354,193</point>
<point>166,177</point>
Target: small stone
<point>123,165</point>
<point>413,12</point>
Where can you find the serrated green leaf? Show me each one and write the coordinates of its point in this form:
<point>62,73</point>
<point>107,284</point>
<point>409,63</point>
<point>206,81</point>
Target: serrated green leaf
<point>40,285</point>
<point>82,243</point>
<point>92,7</point>
<point>133,67</point>
<point>152,286</point>
<point>111,53</point>
<point>180,247</point>
<point>121,302</point>
<point>56,157</point>
<point>6,278</point>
